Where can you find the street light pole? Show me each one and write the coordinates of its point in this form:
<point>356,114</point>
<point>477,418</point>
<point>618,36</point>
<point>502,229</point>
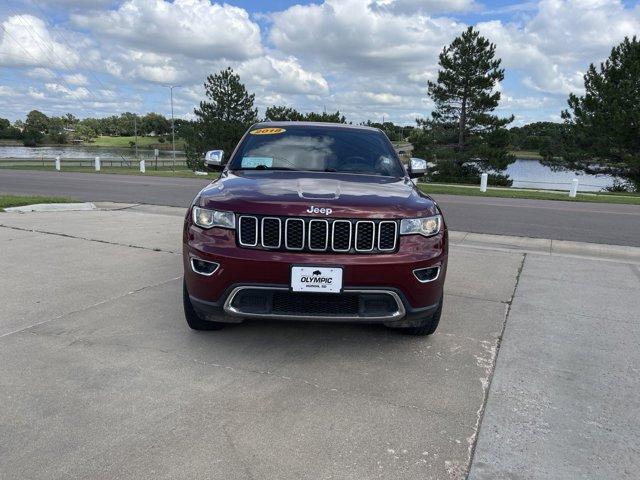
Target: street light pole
<point>173,132</point>
<point>135,131</point>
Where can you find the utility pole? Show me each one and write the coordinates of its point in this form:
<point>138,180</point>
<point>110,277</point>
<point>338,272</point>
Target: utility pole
<point>135,132</point>
<point>173,132</point>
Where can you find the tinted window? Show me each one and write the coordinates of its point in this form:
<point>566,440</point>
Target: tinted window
<point>324,149</point>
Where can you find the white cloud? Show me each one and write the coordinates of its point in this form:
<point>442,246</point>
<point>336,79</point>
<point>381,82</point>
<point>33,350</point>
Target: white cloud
<point>41,73</point>
<point>282,76</point>
<point>350,35</point>
<point>26,41</point>
<point>36,94</point>
<point>194,28</point>
<point>79,93</point>
<point>409,7</point>
<point>554,48</point>
<point>367,58</point>
<point>76,79</point>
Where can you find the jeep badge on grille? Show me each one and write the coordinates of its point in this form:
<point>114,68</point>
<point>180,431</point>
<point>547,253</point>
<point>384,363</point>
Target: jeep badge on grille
<point>326,211</point>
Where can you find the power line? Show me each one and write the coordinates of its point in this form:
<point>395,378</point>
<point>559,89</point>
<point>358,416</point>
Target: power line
<point>64,39</point>
<point>32,33</point>
<point>40,64</point>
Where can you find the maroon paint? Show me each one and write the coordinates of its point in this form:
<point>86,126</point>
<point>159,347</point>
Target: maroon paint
<point>284,193</point>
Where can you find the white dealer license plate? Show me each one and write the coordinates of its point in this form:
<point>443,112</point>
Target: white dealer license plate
<point>316,279</point>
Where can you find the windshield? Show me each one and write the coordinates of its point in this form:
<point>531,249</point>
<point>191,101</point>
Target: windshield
<point>317,148</point>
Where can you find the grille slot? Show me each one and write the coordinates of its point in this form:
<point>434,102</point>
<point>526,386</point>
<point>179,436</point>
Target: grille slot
<point>365,236</point>
<point>248,231</point>
<point>387,234</point>
<point>317,234</point>
<point>271,232</point>
<point>341,236</point>
<point>294,236</point>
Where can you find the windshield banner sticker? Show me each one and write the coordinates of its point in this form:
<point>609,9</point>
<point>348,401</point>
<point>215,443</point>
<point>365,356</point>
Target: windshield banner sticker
<point>267,131</point>
<point>255,162</point>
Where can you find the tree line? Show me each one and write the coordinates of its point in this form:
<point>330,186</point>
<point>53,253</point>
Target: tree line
<point>38,128</point>
<point>463,136</point>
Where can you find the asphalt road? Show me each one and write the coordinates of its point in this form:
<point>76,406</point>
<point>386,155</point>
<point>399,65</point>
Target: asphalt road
<point>582,222</point>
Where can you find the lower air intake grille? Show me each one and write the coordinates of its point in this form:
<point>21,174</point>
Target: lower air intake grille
<point>280,302</point>
<point>287,303</point>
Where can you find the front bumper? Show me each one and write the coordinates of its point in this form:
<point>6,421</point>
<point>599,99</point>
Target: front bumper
<point>228,310</point>
<point>390,275</point>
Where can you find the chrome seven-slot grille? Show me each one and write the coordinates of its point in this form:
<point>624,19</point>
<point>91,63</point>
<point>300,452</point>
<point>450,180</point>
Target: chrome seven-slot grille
<point>317,234</point>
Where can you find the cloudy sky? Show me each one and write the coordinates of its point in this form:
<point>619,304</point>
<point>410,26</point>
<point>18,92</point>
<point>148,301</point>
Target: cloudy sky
<point>367,58</point>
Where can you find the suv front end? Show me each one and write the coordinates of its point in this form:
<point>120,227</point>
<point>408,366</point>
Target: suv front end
<point>266,243</point>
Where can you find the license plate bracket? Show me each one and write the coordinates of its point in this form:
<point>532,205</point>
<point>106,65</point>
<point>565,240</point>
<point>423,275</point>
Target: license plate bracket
<point>316,279</point>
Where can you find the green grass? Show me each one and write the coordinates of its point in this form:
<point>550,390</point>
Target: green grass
<point>474,191</point>
<point>143,142</point>
<point>8,201</point>
<point>180,171</point>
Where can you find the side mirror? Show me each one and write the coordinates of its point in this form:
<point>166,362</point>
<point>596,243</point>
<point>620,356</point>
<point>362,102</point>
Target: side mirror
<point>417,167</point>
<point>213,159</point>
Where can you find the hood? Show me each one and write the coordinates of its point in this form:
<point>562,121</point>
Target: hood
<point>317,194</point>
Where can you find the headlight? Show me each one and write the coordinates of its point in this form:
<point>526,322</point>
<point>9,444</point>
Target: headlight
<point>427,226</point>
<point>213,218</point>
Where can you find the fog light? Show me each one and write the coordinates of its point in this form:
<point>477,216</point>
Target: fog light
<point>425,275</point>
<point>203,267</point>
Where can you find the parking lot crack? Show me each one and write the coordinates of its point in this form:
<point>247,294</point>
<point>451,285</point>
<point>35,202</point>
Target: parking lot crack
<point>93,305</point>
<point>236,453</point>
<point>636,270</point>
<point>66,235</point>
<point>471,297</point>
<point>490,365</point>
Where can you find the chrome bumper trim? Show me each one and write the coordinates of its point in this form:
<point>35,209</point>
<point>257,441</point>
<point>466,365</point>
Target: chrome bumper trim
<point>397,315</point>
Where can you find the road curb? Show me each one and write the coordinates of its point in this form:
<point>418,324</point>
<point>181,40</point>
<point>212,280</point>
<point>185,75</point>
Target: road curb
<point>52,207</point>
<point>545,246</point>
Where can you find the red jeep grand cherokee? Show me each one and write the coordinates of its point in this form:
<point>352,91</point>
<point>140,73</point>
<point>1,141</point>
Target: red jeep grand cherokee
<point>315,221</point>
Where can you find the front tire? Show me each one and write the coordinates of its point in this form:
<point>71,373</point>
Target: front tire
<point>194,320</point>
<point>428,326</point>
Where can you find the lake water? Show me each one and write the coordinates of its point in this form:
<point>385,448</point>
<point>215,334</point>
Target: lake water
<point>527,173</point>
<point>79,152</point>
<point>524,172</point>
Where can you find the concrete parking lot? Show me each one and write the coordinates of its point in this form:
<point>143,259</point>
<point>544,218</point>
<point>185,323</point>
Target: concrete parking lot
<point>533,372</point>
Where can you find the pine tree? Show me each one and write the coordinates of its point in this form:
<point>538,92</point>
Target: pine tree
<point>462,127</point>
<point>221,119</point>
<point>228,99</point>
<point>603,133</point>
<point>464,93</point>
